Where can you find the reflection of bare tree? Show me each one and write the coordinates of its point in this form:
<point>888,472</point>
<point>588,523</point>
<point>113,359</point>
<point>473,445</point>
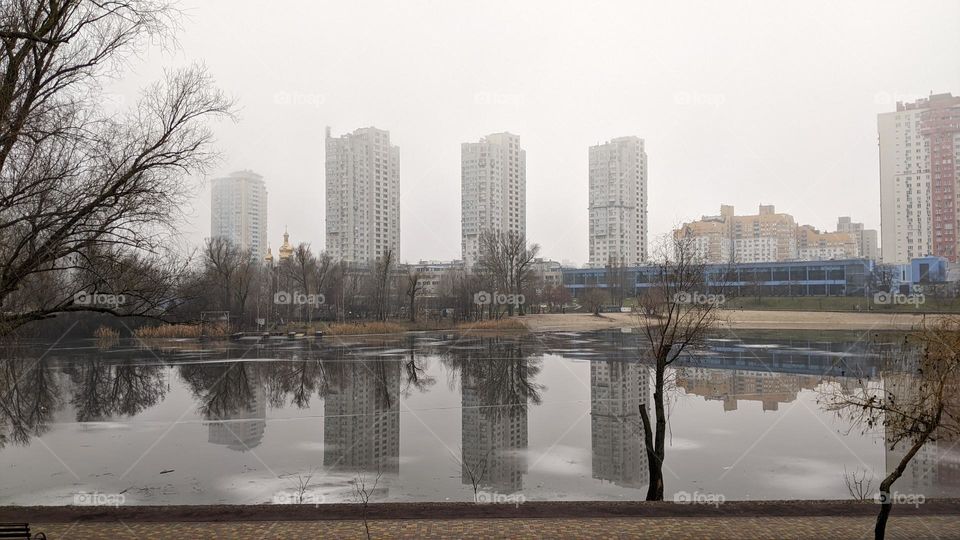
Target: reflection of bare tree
<point>233,398</point>
<point>104,389</point>
<point>499,370</point>
<point>497,383</point>
<point>297,380</point>
<point>220,388</point>
<point>29,396</point>
<point>415,374</point>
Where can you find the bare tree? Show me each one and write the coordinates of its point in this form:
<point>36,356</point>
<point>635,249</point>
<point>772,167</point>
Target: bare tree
<point>676,316</point>
<point>858,485</point>
<point>915,402</point>
<point>415,286</point>
<point>593,299</point>
<point>75,180</point>
<point>506,263</point>
<point>363,492</point>
<point>382,269</point>
<point>233,272</point>
<point>475,471</point>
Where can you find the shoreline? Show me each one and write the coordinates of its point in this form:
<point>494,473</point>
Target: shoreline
<point>465,510</point>
<point>741,320</point>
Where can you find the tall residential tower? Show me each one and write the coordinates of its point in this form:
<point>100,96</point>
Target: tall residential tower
<point>238,211</point>
<point>919,210</point>
<point>363,196</point>
<point>618,202</point>
<point>493,177</point>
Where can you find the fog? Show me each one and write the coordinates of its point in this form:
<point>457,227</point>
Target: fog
<point>740,103</point>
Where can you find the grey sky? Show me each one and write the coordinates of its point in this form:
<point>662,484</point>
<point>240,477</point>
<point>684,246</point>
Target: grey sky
<point>739,102</point>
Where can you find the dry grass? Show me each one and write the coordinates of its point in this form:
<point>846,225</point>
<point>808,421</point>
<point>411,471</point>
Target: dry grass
<point>494,324</point>
<point>353,328</point>
<point>181,331</point>
<point>105,332</point>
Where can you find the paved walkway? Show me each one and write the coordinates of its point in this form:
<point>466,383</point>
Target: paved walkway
<point>774,528</point>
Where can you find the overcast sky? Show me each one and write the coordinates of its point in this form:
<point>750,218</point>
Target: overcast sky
<point>740,103</point>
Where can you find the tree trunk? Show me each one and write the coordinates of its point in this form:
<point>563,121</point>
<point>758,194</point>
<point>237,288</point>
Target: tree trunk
<point>886,504</point>
<point>656,472</point>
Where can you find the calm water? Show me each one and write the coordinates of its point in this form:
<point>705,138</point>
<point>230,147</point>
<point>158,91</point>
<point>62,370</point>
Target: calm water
<point>546,417</point>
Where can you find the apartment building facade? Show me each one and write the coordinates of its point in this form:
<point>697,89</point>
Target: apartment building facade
<point>493,176</point>
<point>618,202</point>
<point>363,196</point>
<point>919,179</point>
<point>238,211</point>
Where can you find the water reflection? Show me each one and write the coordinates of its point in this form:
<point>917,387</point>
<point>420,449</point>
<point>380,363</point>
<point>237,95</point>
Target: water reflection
<point>496,384</point>
<point>373,406</point>
<point>617,389</point>
<point>733,386</point>
<point>362,428</point>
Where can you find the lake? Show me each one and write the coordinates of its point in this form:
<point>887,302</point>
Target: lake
<point>432,416</point>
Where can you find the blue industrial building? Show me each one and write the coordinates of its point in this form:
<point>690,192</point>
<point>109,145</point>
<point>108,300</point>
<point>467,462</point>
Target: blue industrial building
<point>850,277</point>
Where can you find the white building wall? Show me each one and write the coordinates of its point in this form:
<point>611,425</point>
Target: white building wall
<point>493,176</point>
<point>363,196</point>
<point>904,187</point>
<point>238,211</point>
<point>618,202</point>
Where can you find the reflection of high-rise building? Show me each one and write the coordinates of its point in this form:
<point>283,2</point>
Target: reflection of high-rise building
<point>935,469</point>
<point>238,211</point>
<point>494,439</point>
<point>617,389</point>
<point>733,385</point>
<point>361,429</point>
<point>241,428</point>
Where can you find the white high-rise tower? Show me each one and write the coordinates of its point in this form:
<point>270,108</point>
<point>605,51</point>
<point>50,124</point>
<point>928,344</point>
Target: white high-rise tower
<point>618,202</point>
<point>493,176</point>
<point>363,196</point>
<point>238,211</point>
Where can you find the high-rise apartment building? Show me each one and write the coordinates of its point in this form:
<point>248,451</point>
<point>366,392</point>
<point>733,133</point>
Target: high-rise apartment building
<point>618,202</point>
<point>493,178</point>
<point>919,207</point>
<point>238,211</point>
<point>363,196</point>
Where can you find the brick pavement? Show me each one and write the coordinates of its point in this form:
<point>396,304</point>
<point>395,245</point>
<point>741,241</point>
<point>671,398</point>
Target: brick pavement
<point>775,528</point>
